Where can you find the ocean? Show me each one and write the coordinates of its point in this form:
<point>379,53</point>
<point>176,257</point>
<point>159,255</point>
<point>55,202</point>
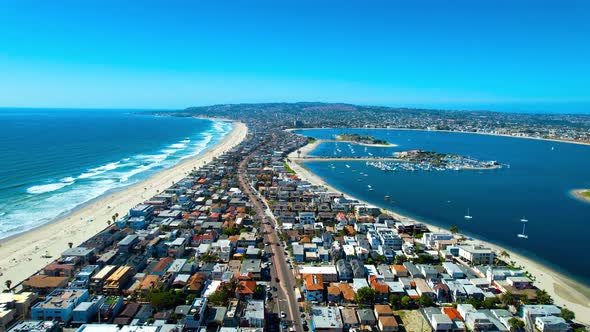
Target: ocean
<point>54,160</point>
<point>535,187</point>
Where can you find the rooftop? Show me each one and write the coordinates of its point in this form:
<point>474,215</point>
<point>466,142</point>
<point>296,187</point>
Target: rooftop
<point>326,317</point>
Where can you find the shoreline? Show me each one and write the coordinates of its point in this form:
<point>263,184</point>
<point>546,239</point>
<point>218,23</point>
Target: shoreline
<point>21,255</point>
<point>453,131</point>
<point>582,195</point>
<point>565,291</point>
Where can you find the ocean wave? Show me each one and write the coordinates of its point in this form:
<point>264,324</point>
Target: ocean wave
<point>152,158</point>
<point>92,172</point>
<point>45,188</point>
<point>124,177</point>
<point>61,196</point>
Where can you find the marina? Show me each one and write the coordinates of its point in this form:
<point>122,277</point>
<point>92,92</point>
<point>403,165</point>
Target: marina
<point>444,197</point>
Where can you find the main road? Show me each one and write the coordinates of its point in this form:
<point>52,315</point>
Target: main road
<point>280,270</point>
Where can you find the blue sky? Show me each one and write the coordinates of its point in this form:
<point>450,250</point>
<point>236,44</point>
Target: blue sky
<point>505,55</point>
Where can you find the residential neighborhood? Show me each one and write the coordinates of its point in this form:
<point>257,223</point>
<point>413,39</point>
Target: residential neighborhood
<point>244,244</point>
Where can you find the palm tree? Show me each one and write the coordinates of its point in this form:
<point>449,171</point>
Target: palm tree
<point>109,222</point>
<point>507,298</point>
<point>515,324</point>
<point>454,229</point>
<point>70,244</point>
<point>114,218</point>
<point>299,153</point>
<point>8,283</point>
<point>116,214</point>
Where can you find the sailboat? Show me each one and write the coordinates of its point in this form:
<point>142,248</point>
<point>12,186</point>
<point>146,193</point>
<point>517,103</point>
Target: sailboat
<point>370,188</point>
<point>523,235</point>
<point>468,215</point>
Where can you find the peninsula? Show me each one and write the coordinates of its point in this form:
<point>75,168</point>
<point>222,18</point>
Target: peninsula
<point>248,231</point>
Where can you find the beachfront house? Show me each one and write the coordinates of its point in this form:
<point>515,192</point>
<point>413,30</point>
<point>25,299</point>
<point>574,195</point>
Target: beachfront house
<point>59,305</point>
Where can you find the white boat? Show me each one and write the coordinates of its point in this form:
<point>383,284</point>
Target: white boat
<point>347,166</point>
<point>370,188</point>
<point>523,235</point>
<point>523,219</point>
<point>468,215</point>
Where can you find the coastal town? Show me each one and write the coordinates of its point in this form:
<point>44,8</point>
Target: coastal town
<point>247,243</point>
<point>561,127</point>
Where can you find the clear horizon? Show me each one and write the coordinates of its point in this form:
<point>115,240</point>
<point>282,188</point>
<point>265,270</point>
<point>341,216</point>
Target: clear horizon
<point>526,57</point>
<point>533,109</point>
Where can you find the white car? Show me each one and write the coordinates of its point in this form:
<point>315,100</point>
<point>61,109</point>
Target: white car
<point>283,314</point>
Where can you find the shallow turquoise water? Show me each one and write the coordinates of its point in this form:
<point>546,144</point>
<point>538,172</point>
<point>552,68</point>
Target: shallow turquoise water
<point>54,160</point>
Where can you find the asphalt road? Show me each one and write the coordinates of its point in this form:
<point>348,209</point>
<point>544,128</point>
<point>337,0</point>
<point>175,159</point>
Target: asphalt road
<point>284,297</point>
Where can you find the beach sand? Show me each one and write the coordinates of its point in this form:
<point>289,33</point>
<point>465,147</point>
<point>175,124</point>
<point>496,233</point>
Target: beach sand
<point>566,292</point>
<point>581,195</point>
<point>24,254</point>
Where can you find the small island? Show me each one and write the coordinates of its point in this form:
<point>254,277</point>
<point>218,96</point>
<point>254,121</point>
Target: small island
<point>414,160</point>
<point>581,194</point>
<point>362,140</point>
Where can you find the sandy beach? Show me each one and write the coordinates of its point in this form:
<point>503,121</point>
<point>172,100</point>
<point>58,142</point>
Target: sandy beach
<point>565,291</point>
<point>581,194</point>
<point>24,254</point>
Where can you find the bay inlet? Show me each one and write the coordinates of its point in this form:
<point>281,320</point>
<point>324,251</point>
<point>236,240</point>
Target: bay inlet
<point>534,185</point>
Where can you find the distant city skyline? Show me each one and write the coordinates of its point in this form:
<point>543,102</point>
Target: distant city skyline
<point>520,56</point>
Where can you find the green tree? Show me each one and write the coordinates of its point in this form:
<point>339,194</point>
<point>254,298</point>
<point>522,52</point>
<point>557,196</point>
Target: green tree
<point>567,314</point>
<point>543,297</point>
<point>365,296</point>
<point>454,229</point>
<point>258,292</point>
<point>380,259</point>
<point>490,303</point>
<point>231,231</point>
<point>394,301</point>
<point>515,324</point>
<point>474,302</point>
<point>307,307</point>
<point>425,301</point>
<point>221,296</point>
<point>400,259</point>
<point>8,283</point>
<point>406,301</point>
<point>507,298</point>
<point>162,300</point>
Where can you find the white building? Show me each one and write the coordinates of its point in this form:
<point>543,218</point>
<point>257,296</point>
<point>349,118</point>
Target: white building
<point>476,255</point>
<point>551,324</point>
